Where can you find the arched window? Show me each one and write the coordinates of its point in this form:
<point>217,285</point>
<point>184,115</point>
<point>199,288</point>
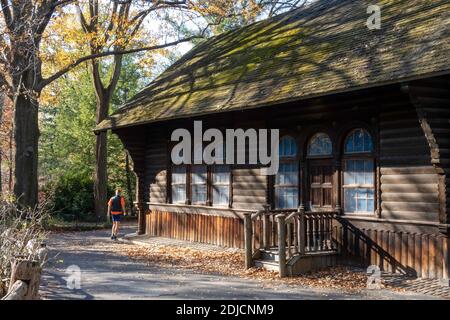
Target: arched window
<point>358,141</point>
<point>286,180</point>
<point>320,145</point>
<point>358,184</point>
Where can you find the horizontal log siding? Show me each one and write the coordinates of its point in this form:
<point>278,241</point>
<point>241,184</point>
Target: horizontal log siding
<point>217,230</point>
<point>156,167</point>
<point>418,254</point>
<point>409,183</point>
<point>249,188</point>
<point>432,100</point>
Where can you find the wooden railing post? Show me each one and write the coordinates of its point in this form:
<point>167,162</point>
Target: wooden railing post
<point>266,227</point>
<point>301,229</point>
<point>282,244</point>
<point>248,240</point>
<point>141,217</point>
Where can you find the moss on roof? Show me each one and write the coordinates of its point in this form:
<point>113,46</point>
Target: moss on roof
<point>316,50</point>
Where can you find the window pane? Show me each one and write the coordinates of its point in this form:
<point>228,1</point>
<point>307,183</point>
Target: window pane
<point>198,193</point>
<point>221,185</point>
<point>286,198</point>
<point>361,205</point>
<point>319,145</point>
<point>179,174</point>
<point>359,200</point>
<point>287,174</point>
<point>349,173</point>
<point>198,174</point>
<point>179,184</point>
<point>357,141</point>
<point>220,195</point>
<point>221,174</point>
<point>198,184</point>
<point>350,200</point>
<point>368,168</point>
<point>371,205</point>
<point>287,147</point>
<point>179,193</point>
<point>358,172</point>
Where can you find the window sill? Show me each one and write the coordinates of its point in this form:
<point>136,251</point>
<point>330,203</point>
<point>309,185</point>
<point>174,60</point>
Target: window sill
<point>372,218</point>
<point>199,209</point>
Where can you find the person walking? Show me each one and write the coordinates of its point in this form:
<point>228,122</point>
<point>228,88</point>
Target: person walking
<point>116,208</point>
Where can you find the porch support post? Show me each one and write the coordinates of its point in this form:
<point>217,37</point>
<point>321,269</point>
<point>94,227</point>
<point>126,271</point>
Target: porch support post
<point>140,205</point>
<point>337,185</point>
<point>445,261</point>
<point>266,227</point>
<point>282,244</point>
<point>248,240</point>
<point>301,230</point>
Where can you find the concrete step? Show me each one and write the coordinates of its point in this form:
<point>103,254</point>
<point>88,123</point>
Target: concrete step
<point>268,265</point>
<point>268,255</point>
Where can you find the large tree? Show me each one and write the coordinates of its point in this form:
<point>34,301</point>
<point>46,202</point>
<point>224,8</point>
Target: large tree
<point>23,25</point>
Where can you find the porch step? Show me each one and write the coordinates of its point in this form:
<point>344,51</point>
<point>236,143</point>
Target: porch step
<point>267,264</point>
<point>269,255</point>
<point>310,261</point>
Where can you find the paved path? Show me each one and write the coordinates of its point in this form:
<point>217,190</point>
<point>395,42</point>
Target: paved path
<point>106,274</point>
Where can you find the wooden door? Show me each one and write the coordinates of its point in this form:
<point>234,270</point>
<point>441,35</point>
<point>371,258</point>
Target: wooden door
<point>320,184</point>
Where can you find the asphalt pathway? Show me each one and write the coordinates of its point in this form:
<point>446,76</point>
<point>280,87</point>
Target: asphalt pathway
<point>88,265</point>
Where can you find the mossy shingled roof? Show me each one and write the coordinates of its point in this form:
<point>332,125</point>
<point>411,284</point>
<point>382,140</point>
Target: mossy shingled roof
<point>320,49</point>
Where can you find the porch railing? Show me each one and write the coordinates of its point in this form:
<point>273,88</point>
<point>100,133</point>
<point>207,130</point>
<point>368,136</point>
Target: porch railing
<point>290,232</point>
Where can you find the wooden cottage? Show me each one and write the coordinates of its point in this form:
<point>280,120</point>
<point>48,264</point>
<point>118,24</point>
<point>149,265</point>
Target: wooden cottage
<point>364,120</point>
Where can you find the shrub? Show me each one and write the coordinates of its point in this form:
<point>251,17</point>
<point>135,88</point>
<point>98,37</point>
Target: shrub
<point>73,198</point>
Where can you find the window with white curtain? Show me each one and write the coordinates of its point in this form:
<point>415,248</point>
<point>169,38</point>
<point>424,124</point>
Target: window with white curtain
<point>199,178</point>
<point>179,184</point>
<point>221,185</point>
<point>358,184</point>
<point>286,180</point>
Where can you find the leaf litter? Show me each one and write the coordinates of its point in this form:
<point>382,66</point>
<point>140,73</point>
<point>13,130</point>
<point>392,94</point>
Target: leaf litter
<point>230,262</point>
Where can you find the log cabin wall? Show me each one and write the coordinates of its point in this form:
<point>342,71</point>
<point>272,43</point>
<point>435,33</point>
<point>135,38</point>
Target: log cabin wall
<point>404,234</point>
<point>157,162</point>
<point>135,142</point>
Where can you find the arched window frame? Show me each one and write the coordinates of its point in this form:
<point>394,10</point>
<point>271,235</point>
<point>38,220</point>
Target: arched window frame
<point>285,161</point>
<point>324,155</point>
<point>369,169</point>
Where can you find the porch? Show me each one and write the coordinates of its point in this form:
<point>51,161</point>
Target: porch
<point>290,242</point>
<point>312,239</point>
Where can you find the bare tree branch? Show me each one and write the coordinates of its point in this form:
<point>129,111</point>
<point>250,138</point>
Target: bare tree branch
<point>7,14</point>
<point>66,69</point>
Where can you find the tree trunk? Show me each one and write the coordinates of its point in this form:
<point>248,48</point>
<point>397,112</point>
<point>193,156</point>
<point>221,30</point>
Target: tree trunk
<point>129,190</point>
<point>10,169</point>
<point>1,151</point>
<point>101,175</point>
<point>101,154</point>
<point>26,133</point>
